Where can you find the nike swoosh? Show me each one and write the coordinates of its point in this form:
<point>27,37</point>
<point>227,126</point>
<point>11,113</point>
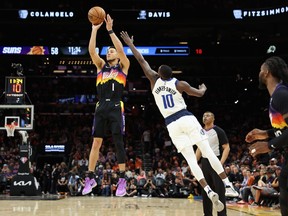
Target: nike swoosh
<point>117,104</point>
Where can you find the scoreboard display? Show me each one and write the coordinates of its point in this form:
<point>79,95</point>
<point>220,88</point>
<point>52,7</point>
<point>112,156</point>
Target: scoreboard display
<point>156,50</point>
<point>15,90</point>
<point>83,50</point>
<point>69,50</point>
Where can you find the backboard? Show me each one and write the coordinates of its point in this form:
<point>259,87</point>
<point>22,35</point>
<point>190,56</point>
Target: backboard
<point>23,115</point>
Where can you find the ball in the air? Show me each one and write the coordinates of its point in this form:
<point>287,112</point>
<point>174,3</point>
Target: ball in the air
<point>96,15</point>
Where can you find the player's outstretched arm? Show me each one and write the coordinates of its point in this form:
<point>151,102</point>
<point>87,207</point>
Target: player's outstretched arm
<point>92,47</point>
<point>183,86</point>
<point>149,73</point>
<point>124,61</point>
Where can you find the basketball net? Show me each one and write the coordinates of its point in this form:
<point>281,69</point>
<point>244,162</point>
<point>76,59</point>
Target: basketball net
<point>10,128</point>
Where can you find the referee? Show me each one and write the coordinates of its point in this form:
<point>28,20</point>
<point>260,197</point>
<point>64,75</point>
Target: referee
<point>219,143</point>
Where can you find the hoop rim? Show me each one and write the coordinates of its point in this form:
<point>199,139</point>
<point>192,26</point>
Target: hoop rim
<point>10,128</point>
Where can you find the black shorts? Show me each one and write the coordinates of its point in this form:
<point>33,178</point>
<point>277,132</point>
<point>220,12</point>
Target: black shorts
<point>108,114</point>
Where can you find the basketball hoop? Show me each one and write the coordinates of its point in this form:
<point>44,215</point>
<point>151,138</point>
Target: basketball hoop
<point>10,128</point>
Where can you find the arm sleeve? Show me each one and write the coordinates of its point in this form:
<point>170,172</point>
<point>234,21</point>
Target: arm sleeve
<point>271,133</point>
<point>280,103</point>
<point>280,141</point>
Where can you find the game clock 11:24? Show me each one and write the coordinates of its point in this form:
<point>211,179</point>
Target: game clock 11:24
<point>15,90</point>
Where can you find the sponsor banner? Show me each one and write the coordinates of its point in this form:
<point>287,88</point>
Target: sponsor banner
<point>54,148</point>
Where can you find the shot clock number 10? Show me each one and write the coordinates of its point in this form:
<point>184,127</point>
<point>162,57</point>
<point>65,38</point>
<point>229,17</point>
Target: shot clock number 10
<point>15,90</point>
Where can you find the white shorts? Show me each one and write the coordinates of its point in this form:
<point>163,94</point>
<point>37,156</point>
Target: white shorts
<point>186,131</point>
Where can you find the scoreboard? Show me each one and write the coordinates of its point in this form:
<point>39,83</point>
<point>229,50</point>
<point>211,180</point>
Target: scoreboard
<point>156,50</point>
<point>15,90</point>
<point>83,50</point>
<point>69,50</point>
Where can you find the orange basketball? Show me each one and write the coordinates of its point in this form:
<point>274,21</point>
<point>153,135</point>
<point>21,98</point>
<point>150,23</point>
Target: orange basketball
<point>96,15</point>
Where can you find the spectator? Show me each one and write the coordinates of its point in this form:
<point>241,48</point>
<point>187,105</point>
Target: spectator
<point>62,184</point>
<point>150,187</point>
<point>146,139</point>
<point>46,179</point>
<point>114,181</point>
<point>141,181</point>
<point>131,187</point>
<point>245,189</point>
<point>266,186</point>
<point>160,174</point>
<point>55,176</point>
<point>138,164</point>
<point>105,184</point>
<point>73,184</point>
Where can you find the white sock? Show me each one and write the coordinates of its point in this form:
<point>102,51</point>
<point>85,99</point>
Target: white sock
<point>226,181</point>
<point>207,189</point>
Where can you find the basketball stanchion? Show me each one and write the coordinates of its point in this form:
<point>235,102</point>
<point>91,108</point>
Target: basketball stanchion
<point>24,183</point>
<point>18,114</point>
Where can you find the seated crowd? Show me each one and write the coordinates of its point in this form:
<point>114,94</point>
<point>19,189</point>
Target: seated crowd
<point>168,174</point>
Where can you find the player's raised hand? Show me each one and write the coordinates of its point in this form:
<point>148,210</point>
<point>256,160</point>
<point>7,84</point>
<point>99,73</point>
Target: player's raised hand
<point>126,38</point>
<point>109,22</point>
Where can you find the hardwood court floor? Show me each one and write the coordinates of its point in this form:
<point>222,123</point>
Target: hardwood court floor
<point>120,206</point>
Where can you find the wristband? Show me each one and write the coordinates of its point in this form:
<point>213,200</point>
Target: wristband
<point>270,133</point>
<point>110,31</point>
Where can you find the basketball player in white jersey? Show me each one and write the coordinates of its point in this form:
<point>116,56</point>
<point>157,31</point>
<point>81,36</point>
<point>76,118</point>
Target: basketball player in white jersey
<point>183,127</point>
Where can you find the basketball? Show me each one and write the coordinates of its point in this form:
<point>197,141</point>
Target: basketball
<point>96,15</point>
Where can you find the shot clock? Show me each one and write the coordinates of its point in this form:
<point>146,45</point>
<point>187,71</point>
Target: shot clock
<point>15,90</point>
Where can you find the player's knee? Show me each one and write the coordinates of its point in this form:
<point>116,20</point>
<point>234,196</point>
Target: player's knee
<point>96,144</point>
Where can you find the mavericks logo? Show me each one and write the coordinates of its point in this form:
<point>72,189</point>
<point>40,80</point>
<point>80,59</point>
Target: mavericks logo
<point>202,132</point>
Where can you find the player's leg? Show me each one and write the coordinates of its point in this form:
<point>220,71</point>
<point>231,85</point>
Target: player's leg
<point>184,145</point>
<point>208,153</point>
<point>207,204</point>
<point>97,133</point>
<point>117,120</point>
<point>283,185</point>
<point>189,155</point>
<point>219,188</point>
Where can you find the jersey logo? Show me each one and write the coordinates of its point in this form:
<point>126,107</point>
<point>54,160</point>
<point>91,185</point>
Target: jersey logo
<point>202,132</point>
<point>110,75</point>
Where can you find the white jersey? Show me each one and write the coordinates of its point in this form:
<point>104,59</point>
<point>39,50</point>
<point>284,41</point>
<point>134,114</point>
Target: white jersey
<point>168,99</point>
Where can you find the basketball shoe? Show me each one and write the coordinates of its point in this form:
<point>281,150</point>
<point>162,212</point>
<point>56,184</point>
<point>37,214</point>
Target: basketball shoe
<point>89,185</point>
<point>217,204</point>
<point>121,187</point>
<point>230,190</point>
